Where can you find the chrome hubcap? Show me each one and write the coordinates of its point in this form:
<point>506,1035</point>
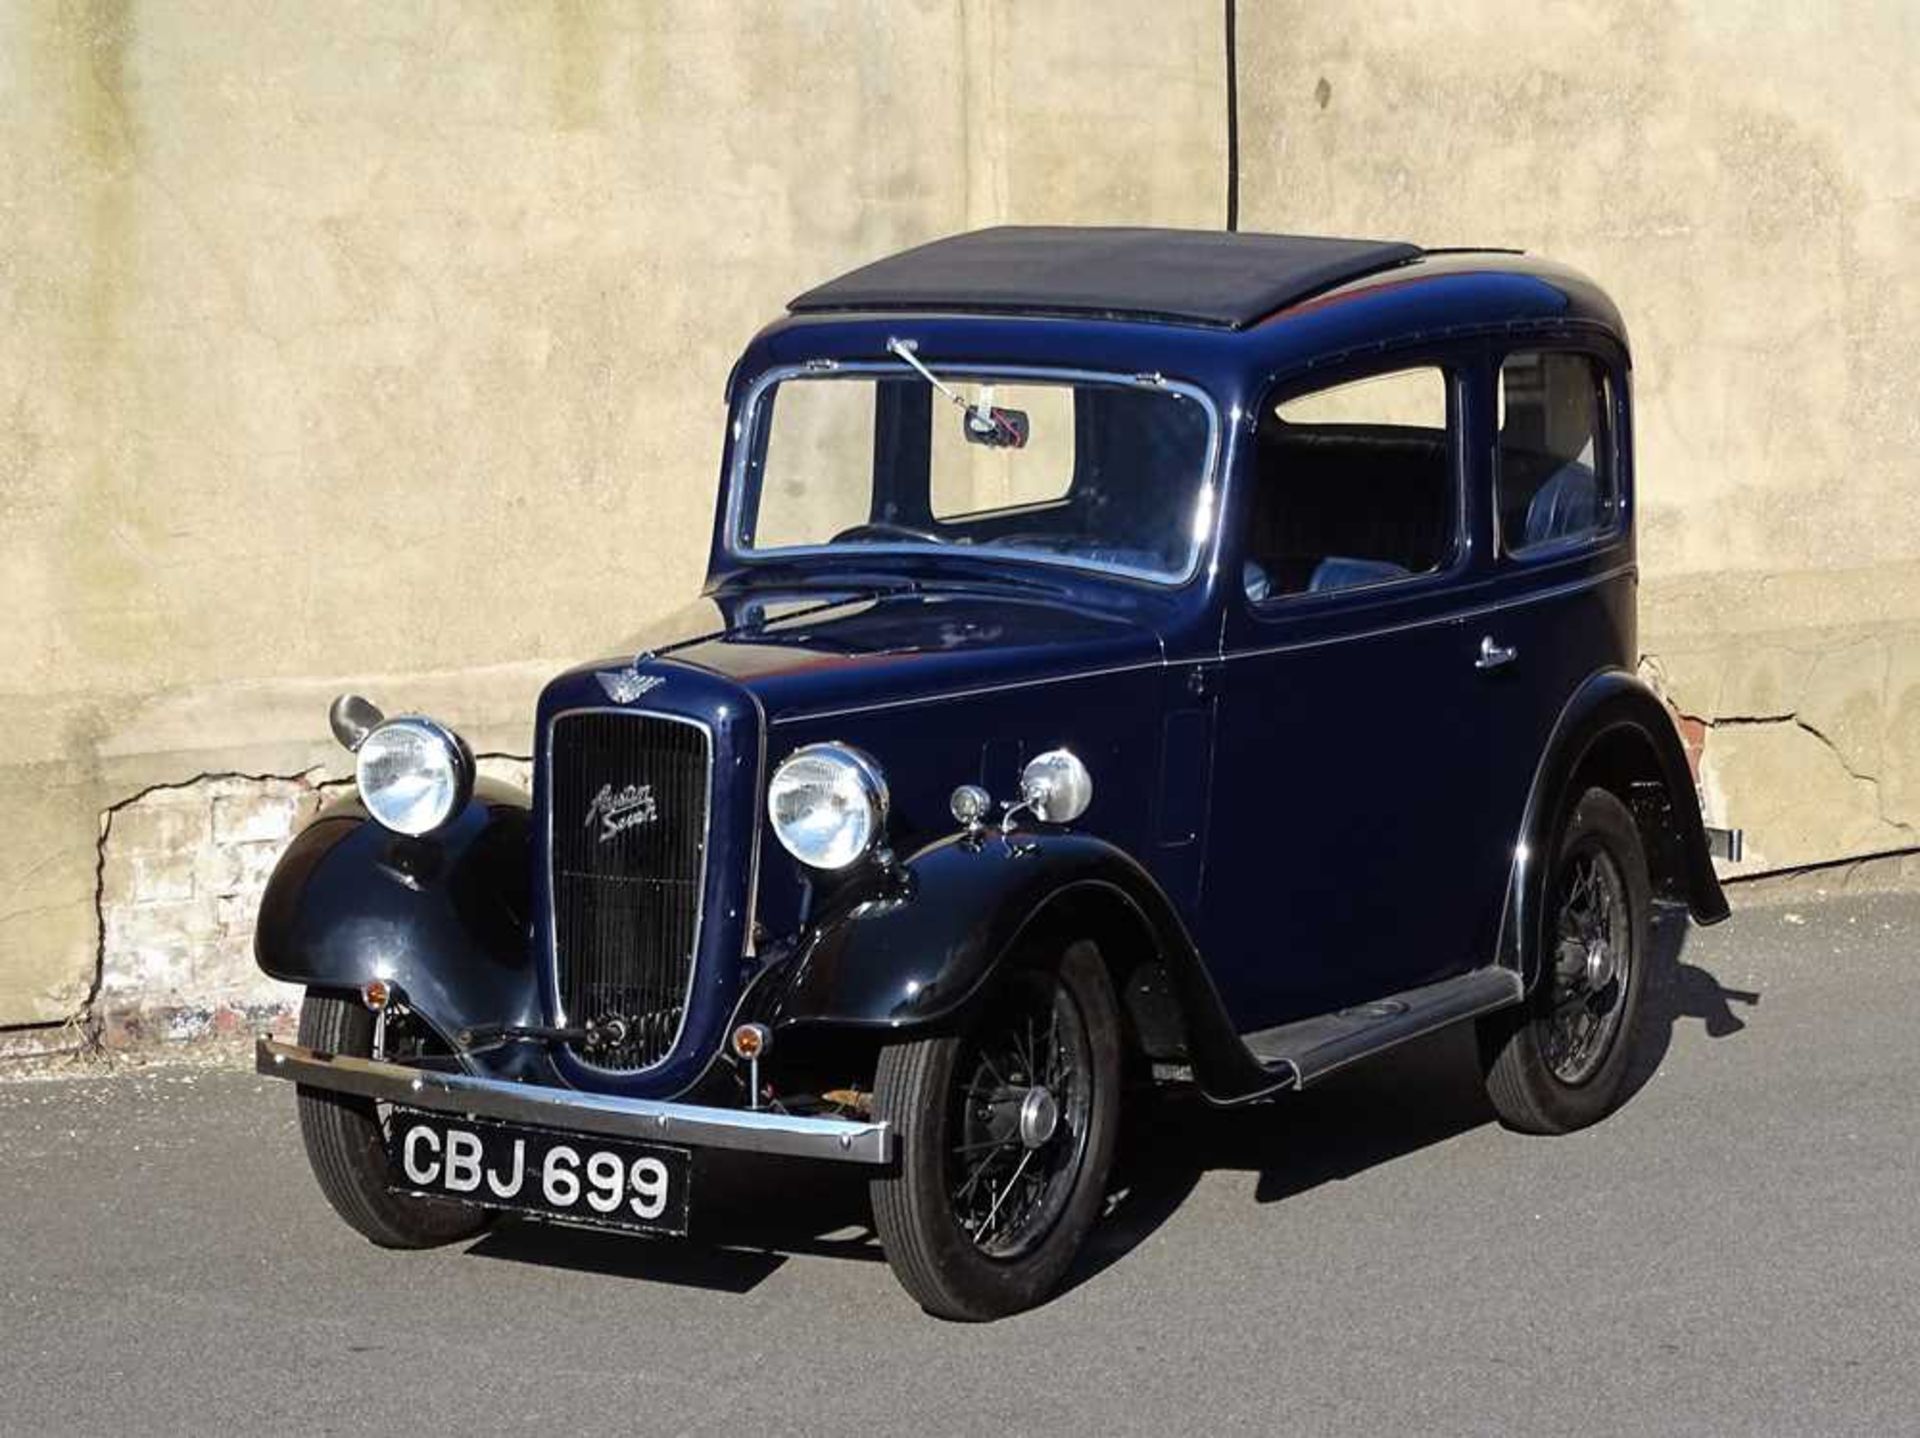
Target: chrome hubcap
<point>1039,1117</point>
<point>1600,966</point>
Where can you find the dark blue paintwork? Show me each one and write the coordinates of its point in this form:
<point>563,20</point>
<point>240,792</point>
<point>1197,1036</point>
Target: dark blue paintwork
<point>444,917</point>
<point>913,946</point>
<point>1303,805</point>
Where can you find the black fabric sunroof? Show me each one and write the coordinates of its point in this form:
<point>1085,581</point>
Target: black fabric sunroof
<point>1197,277</point>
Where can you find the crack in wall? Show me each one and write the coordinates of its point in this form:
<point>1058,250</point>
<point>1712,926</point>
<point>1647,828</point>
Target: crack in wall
<point>87,1019</point>
<point>1790,716</point>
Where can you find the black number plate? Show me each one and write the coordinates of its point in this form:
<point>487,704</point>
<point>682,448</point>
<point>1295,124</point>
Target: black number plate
<point>609,1182</point>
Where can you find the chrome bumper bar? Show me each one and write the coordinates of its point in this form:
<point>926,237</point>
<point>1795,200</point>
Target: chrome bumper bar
<point>753,1131</point>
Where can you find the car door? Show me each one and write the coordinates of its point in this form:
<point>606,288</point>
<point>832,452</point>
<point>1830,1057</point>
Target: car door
<point>1350,854</point>
<point>1562,561</point>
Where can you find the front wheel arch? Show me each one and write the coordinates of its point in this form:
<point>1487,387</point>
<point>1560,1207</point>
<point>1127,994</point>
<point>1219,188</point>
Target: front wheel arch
<point>1154,1024</point>
<point>912,955</point>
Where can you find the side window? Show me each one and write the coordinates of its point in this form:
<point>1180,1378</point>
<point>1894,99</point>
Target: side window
<point>1355,486</point>
<point>1555,478</point>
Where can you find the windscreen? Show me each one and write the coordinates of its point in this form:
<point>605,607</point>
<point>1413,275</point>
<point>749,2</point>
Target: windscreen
<point>1105,474</point>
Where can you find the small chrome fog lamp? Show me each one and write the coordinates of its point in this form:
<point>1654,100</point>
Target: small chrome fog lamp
<point>352,718</point>
<point>969,805</point>
<point>381,998</point>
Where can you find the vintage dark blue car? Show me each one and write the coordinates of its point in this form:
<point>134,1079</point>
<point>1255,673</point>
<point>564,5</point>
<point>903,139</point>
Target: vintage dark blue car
<point>1125,655</point>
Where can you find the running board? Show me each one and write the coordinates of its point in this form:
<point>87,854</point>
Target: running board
<point>1310,1049</point>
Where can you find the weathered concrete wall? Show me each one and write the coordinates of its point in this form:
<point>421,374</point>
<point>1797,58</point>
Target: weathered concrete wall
<point>183,867</point>
<point>385,349</point>
<point>383,345</point>
<point>1807,688</point>
<point>1745,179</point>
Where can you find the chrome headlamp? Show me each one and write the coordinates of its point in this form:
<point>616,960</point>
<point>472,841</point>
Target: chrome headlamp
<point>828,804</point>
<point>414,774</point>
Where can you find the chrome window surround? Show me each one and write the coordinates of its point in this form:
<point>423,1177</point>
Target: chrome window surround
<point>700,917</point>
<point>1460,549</point>
<point>1205,523</point>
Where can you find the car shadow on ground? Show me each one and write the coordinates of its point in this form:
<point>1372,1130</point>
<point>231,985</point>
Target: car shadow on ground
<point>751,1215</point>
<point>1420,1094</point>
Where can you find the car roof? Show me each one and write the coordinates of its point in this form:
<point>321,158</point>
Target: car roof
<point>1210,278</point>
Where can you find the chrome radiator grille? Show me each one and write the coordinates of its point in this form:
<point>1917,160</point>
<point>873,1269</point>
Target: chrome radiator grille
<point>629,799</point>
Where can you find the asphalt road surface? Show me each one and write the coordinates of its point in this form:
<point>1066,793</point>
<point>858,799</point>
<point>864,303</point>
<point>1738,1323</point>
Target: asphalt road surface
<point>1735,1251</point>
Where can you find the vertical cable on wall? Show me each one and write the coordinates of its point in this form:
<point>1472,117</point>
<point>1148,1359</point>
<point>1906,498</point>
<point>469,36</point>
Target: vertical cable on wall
<point>1233,125</point>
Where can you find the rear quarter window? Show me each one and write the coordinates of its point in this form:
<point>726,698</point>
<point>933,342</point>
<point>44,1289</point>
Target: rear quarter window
<point>1556,479</point>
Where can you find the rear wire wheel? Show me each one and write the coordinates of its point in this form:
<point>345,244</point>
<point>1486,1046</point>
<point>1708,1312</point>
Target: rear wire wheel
<point>1006,1133</point>
<point>345,1137</point>
<point>1560,1061</point>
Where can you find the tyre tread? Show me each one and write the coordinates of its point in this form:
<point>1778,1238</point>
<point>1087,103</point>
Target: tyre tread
<point>342,1138</point>
<point>899,1211</point>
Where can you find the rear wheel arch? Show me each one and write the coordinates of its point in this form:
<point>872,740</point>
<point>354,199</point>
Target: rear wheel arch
<point>1614,733</point>
<point>1625,761</point>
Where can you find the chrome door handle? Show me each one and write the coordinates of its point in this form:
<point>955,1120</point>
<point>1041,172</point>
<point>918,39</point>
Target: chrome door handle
<point>1494,656</point>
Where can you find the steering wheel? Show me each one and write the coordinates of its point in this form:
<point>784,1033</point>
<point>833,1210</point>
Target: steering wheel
<point>879,529</point>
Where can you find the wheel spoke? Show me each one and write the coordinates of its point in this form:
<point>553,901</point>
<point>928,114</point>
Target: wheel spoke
<point>986,1228</point>
<point>980,1171</point>
<point>1009,1184</point>
<point>1581,1018</point>
<point>987,1060</point>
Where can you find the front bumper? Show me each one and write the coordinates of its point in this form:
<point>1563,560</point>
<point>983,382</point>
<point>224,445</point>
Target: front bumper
<point>696,1126</point>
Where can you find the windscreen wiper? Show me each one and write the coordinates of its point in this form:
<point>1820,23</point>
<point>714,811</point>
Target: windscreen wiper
<point>985,424</point>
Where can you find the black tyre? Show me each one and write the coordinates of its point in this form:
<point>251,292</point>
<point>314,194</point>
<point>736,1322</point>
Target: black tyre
<point>1006,1135</point>
<point>1560,1061</point>
<point>346,1145</point>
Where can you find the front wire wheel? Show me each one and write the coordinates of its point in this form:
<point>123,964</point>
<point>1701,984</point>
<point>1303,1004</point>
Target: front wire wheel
<point>1006,1133</point>
<point>345,1138</point>
<point>1560,1061</point>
